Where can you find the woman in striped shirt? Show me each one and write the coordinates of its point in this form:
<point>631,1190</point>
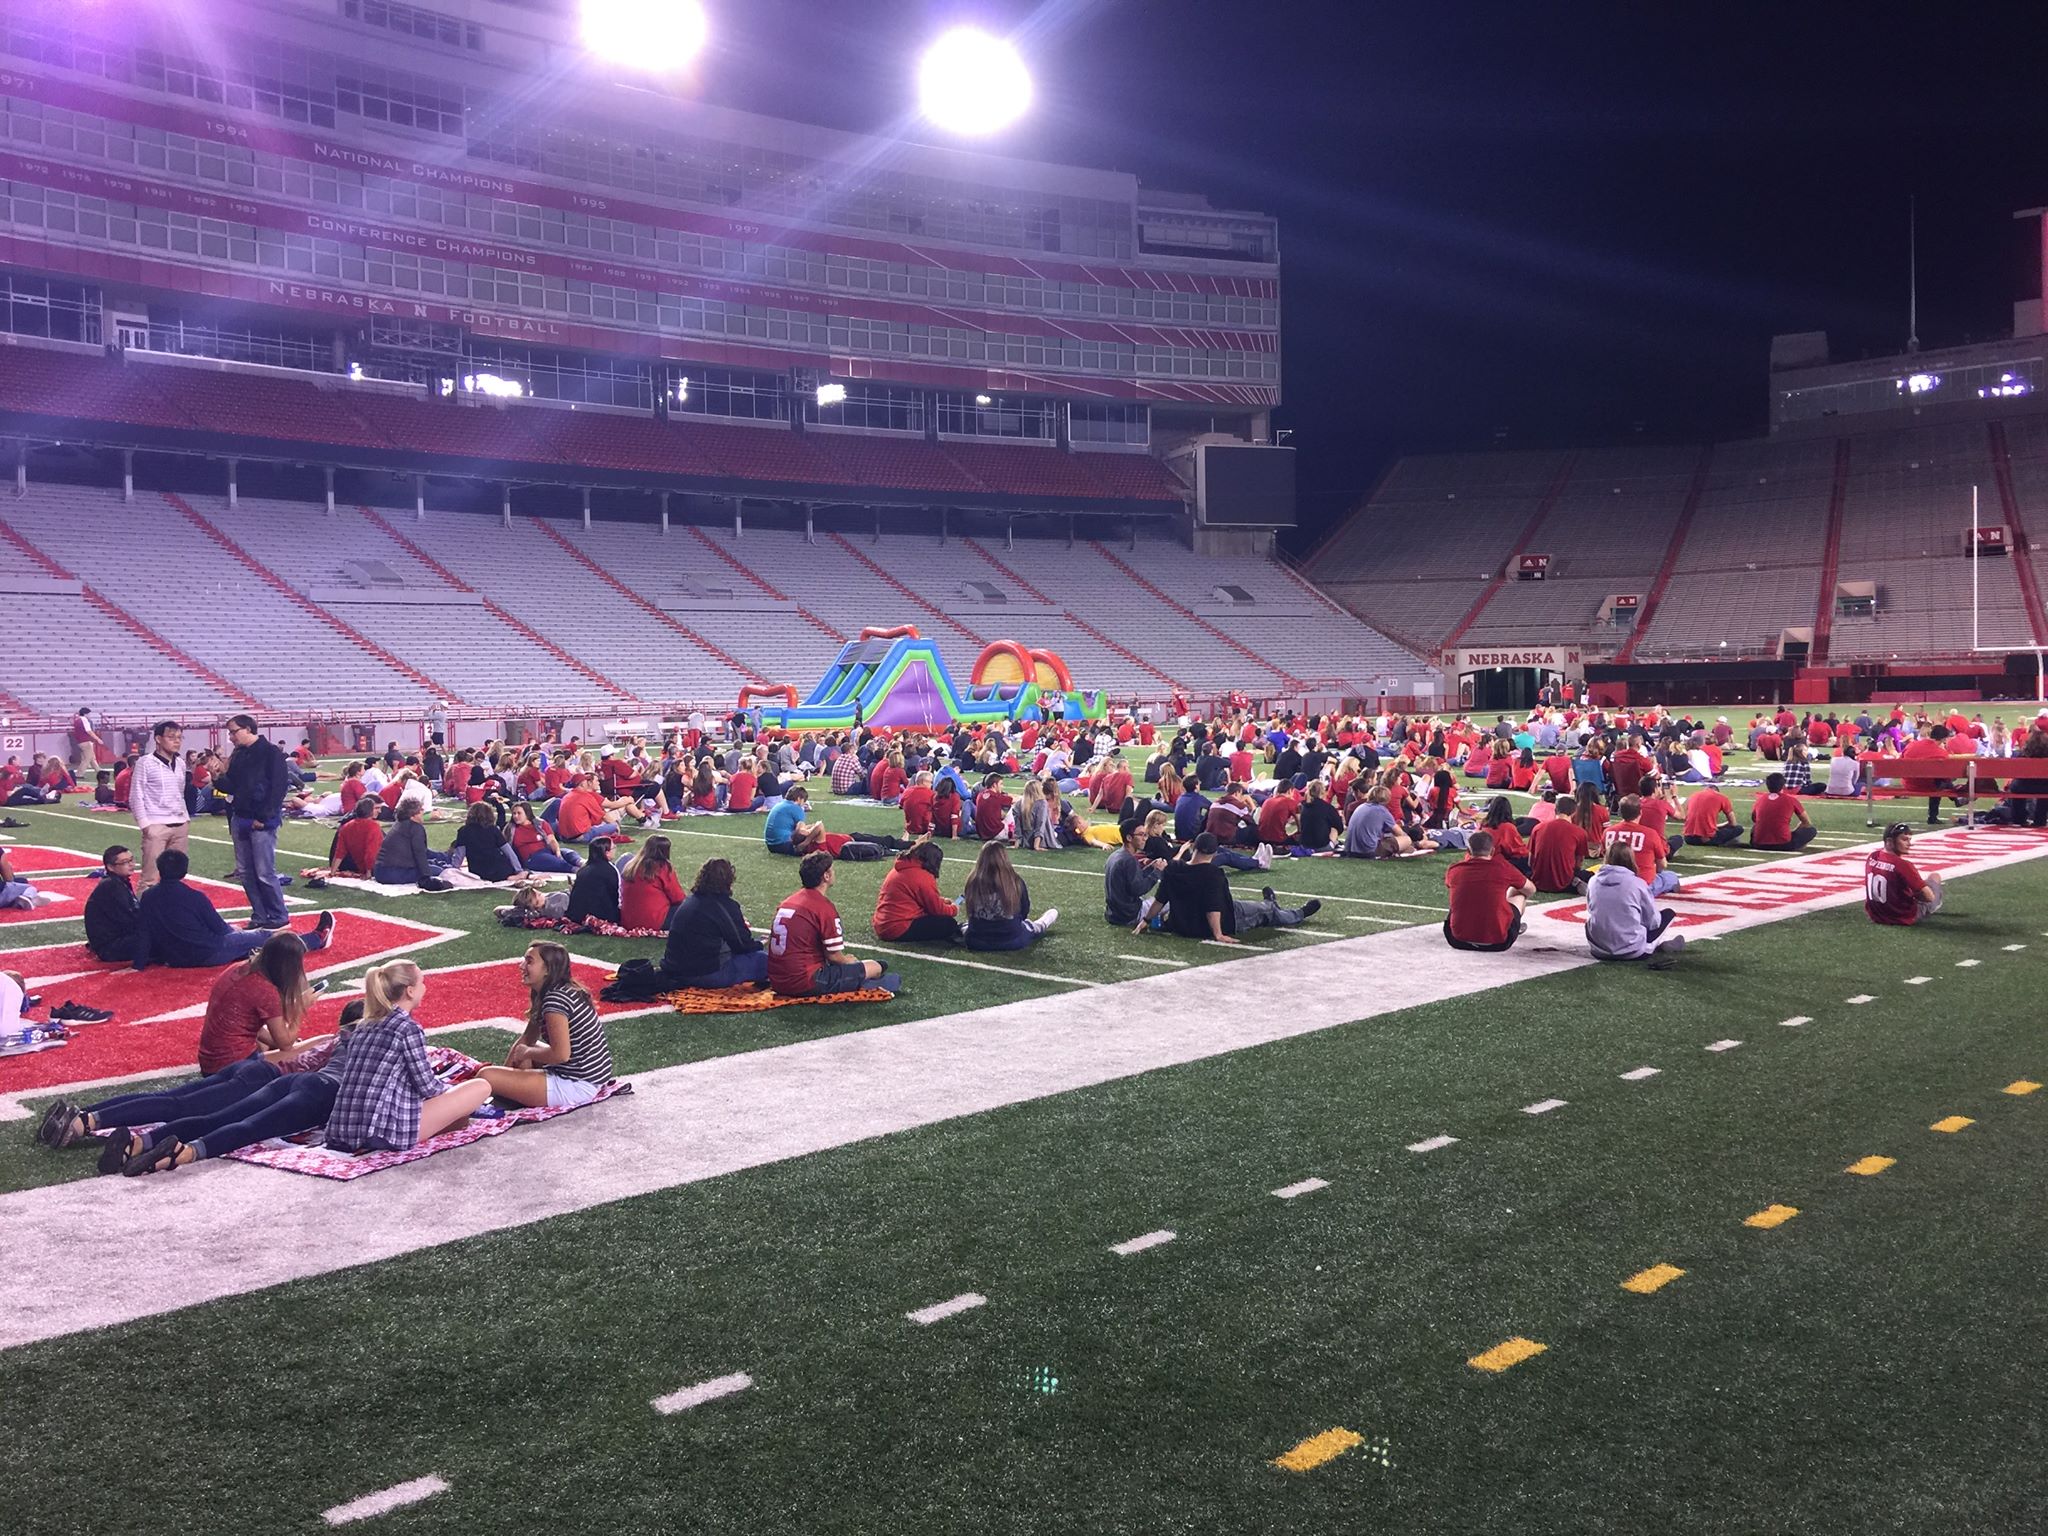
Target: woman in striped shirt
<point>563,1058</point>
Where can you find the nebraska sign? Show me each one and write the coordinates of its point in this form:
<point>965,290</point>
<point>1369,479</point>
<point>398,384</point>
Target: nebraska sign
<point>1549,658</point>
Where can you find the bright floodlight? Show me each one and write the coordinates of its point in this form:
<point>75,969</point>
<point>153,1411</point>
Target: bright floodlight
<point>972,83</point>
<point>831,394</point>
<point>654,35</point>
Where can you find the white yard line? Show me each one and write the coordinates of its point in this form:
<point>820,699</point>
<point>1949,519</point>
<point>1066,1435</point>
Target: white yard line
<point>1543,1106</point>
<point>939,1311</point>
<point>1724,1045</point>
<point>1139,1244</point>
<point>1155,960</point>
<point>1433,1144</point>
<point>1639,1073</point>
<point>1794,1022</point>
<point>703,1392</point>
<point>370,1505</point>
<point>1296,1191</point>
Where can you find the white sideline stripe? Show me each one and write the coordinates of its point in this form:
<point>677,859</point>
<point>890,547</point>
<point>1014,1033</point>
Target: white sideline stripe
<point>1155,960</point>
<point>1966,964</point>
<point>1366,917</point>
<point>939,1311</point>
<point>1794,1022</point>
<point>1724,1045</point>
<point>1543,1106</point>
<point>1918,981</point>
<point>1639,1074</point>
<point>234,1229</point>
<point>1305,1187</point>
<point>1861,997</point>
<point>1433,1144</point>
<point>703,1392</point>
<point>2011,947</point>
<point>397,1496</point>
<point>1240,944</point>
<point>1140,1244</point>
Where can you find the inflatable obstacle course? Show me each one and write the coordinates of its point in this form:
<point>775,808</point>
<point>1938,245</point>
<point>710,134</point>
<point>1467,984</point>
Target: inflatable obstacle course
<point>894,677</point>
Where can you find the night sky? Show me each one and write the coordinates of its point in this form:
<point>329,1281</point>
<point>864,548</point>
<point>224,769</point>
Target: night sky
<point>1570,223</point>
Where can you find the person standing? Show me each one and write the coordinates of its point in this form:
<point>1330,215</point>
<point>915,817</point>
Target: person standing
<point>85,741</point>
<point>156,794</point>
<point>437,724</point>
<point>256,781</point>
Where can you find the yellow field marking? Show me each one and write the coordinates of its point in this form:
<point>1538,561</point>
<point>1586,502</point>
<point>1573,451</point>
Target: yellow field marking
<point>1952,1124</point>
<point>2022,1086</point>
<point>1870,1167</point>
<point>1771,1216</point>
<point>1655,1278</point>
<point>1504,1355</point>
<point>1317,1449</point>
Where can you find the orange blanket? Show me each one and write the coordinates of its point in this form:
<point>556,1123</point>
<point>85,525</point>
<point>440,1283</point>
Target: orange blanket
<point>756,999</point>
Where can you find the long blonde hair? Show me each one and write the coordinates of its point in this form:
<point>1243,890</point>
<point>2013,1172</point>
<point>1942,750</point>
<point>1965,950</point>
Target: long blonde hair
<point>385,984</point>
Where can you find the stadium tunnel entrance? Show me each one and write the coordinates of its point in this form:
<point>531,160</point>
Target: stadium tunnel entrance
<point>1505,681</point>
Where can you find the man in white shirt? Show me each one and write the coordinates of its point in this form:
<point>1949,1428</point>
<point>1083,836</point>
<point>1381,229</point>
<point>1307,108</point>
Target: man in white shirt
<point>375,778</point>
<point>156,794</point>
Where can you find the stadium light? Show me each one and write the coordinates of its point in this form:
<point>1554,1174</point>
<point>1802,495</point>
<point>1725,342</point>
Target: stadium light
<point>983,400</point>
<point>831,394</point>
<point>972,83</point>
<point>652,35</point>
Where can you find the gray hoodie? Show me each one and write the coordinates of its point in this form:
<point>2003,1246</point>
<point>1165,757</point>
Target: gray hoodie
<point>1619,914</point>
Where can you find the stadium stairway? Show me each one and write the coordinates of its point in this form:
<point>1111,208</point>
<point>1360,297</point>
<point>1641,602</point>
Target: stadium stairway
<point>1831,558</point>
<point>1521,544</point>
<point>1662,583</point>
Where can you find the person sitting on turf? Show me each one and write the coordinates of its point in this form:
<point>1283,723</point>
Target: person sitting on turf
<point>1320,825</point>
<point>1508,843</point>
<point>258,1005</point>
<point>1128,878</point>
<point>404,857</point>
<point>649,892</point>
<point>709,942</point>
<point>1374,832</point>
<point>1557,852</point>
<point>176,925</point>
<point>807,946</point>
<point>563,1058</point>
<point>991,808</point>
<point>909,905</point>
<point>1845,774</point>
<point>583,816</point>
<point>1622,918</point>
<point>481,847</point>
<point>916,802</point>
<point>15,891</point>
<point>1488,898</point>
<point>595,892</point>
<point>998,904</point>
<point>1710,819</point>
<point>110,911</point>
<point>1895,893</point>
<point>1646,846</point>
<point>1194,894</point>
<point>535,846</point>
<point>356,843</point>
<point>949,806</point>
<point>388,1098</point>
<point>1030,825</point>
<point>1771,818</point>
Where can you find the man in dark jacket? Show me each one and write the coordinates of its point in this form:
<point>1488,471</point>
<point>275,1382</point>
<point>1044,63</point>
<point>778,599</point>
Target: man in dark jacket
<point>256,780</point>
<point>176,925</point>
<point>110,913</point>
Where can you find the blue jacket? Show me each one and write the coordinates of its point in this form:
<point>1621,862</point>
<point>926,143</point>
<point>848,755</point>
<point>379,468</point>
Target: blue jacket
<point>256,782</point>
<point>176,925</point>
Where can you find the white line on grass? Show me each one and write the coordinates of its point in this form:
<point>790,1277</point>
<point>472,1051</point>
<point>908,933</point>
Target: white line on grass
<point>1639,1074</point>
<point>1918,981</point>
<point>1140,1244</point>
<point>1543,1106</point>
<point>1366,917</point>
<point>1794,1022</point>
<point>2011,947</point>
<point>384,1501</point>
<point>703,1392</point>
<point>1226,944</point>
<point>1433,1144</point>
<point>1155,960</point>
<point>1724,1045</point>
<point>939,1311</point>
<point>1305,1187</point>
<point>1966,964</point>
<point>1862,997</point>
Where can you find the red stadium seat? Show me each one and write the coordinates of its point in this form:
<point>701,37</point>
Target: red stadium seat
<point>268,405</point>
<point>605,441</point>
<point>1015,470</point>
<point>1133,476</point>
<point>463,431</point>
<point>894,463</point>
<point>75,387</point>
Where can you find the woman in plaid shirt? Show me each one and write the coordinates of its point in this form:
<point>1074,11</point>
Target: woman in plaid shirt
<point>389,1098</point>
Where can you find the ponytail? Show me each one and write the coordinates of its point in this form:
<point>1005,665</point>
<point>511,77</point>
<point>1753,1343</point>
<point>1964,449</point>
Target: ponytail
<point>386,984</point>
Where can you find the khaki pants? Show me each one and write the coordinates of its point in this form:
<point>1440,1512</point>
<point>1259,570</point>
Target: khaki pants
<point>165,834</point>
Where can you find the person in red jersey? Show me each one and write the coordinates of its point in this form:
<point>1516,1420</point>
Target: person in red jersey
<point>1488,899</point>
<point>740,788</point>
<point>1559,766</point>
<point>1895,893</point>
<point>1646,843</point>
<point>1772,818</point>
<point>917,806</point>
<point>1710,818</point>
<point>1276,817</point>
<point>807,945</point>
<point>991,806</point>
<point>1625,768</point>
<point>1557,851</point>
<point>1929,746</point>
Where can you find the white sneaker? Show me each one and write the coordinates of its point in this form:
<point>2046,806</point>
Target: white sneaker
<point>1265,855</point>
<point>1052,915</point>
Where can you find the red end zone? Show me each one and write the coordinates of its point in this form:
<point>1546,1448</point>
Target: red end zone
<point>157,1012</point>
<point>37,858</point>
<point>72,891</point>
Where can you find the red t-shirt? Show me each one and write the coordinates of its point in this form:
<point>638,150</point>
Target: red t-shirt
<point>579,812</point>
<point>1241,766</point>
<point>945,815</point>
<point>1557,849</point>
<point>1559,767</point>
<point>1625,769</point>
<point>1703,812</point>
<point>351,792</point>
<point>1772,818</point>
<point>1600,818</point>
<point>1646,843</point>
<point>1891,889</point>
<point>990,807</point>
<point>357,845</point>
<point>1654,814</point>
<point>1112,789</point>
<point>739,791</point>
<point>1480,913</point>
<point>236,1008</point>
<point>555,779</point>
<point>886,782</point>
<point>917,809</point>
<point>1274,816</point>
<point>1507,840</point>
<point>1817,733</point>
<point>526,840</point>
<point>645,903</point>
<point>805,931</point>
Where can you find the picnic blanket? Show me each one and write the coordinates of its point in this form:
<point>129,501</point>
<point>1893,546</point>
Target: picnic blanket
<point>597,925</point>
<point>756,999</point>
<point>459,879</point>
<point>310,1154</point>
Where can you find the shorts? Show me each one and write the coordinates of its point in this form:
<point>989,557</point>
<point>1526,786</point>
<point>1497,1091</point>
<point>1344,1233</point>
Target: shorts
<point>568,1092</point>
<point>848,977</point>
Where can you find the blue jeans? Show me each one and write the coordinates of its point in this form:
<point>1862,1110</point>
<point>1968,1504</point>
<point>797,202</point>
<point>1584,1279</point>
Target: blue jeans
<point>201,1096</point>
<point>241,944</point>
<point>541,862</point>
<point>1230,858</point>
<point>256,857</point>
<point>1665,883</point>
<point>17,893</point>
<point>735,970</point>
<point>602,829</point>
<point>293,1102</point>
